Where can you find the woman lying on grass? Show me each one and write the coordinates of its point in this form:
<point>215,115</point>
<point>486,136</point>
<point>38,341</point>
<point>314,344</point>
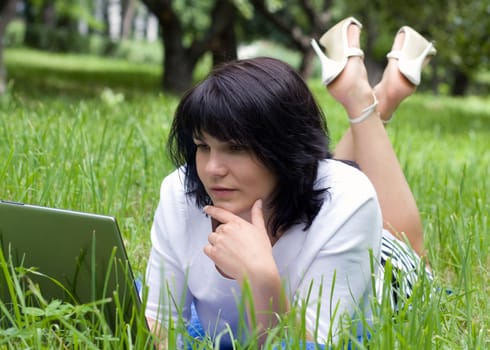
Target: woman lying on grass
<point>259,204</point>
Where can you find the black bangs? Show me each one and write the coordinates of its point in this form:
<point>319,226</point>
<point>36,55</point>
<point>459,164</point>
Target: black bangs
<point>215,109</point>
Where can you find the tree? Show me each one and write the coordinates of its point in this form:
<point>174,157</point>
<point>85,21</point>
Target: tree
<point>128,10</point>
<point>7,13</point>
<point>187,34</point>
<point>299,21</point>
<point>54,24</point>
<point>463,34</point>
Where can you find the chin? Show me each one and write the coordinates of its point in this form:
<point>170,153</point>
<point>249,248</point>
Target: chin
<point>240,211</point>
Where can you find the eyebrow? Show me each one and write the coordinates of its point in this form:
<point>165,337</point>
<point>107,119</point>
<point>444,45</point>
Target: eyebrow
<point>198,137</point>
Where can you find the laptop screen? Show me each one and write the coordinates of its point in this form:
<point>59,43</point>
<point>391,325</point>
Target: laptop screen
<point>70,256</point>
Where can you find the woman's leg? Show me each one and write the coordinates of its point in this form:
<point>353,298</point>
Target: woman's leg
<point>368,144</point>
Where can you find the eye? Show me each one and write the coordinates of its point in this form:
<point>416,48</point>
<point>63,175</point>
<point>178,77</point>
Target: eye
<point>235,147</point>
<point>200,145</point>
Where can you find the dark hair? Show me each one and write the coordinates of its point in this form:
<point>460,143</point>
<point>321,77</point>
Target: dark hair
<point>265,105</point>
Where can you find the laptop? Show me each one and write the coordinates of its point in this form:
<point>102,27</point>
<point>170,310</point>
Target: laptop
<point>69,256</point>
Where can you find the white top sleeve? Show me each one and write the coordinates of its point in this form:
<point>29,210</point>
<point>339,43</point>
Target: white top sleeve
<point>167,267</point>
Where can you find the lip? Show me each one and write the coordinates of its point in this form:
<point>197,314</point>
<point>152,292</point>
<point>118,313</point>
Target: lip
<point>221,191</point>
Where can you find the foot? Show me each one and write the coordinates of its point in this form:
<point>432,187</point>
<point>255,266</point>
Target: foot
<point>337,49</point>
<point>409,54</point>
<point>393,87</point>
<point>351,88</point>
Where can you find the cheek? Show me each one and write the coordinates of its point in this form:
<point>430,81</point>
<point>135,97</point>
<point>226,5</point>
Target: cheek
<point>199,164</point>
<point>267,182</point>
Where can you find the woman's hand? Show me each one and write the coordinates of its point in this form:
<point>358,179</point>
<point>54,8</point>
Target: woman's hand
<point>240,249</point>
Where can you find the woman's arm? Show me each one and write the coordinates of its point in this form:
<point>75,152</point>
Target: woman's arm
<point>166,271</point>
<point>158,332</point>
<point>242,251</point>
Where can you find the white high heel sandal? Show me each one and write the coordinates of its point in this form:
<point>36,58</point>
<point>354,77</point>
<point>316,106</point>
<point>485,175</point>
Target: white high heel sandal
<point>414,54</point>
<point>338,51</point>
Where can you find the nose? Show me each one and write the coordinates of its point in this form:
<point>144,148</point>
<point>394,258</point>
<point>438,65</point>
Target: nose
<point>216,164</point>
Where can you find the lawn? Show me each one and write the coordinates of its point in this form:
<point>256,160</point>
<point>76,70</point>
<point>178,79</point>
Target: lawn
<point>88,134</point>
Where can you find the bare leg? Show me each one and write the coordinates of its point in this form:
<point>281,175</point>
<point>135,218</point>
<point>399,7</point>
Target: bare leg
<point>390,92</point>
<point>345,147</point>
<point>368,144</point>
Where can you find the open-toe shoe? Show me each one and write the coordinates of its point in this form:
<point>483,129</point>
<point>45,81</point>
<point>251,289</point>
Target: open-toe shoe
<point>414,54</point>
<point>337,48</point>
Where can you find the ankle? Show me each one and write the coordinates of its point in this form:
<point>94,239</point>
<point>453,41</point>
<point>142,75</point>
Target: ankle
<point>366,112</point>
<point>358,99</point>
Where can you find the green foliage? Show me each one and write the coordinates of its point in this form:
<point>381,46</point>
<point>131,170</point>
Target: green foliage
<point>89,138</point>
<point>79,10</point>
<point>14,34</point>
<point>52,25</point>
<point>245,8</point>
<point>194,15</point>
<point>60,39</point>
<point>465,35</point>
<point>45,73</point>
<point>138,51</point>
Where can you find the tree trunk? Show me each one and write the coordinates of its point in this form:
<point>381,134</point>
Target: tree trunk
<point>374,67</point>
<point>178,66</point>
<point>318,18</point>
<point>7,13</point>
<point>225,48</point>
<point>307,64</point>
<point>179,61</point>
<point>224,45</point>
<point>460,84</point>
<point>128,9</point>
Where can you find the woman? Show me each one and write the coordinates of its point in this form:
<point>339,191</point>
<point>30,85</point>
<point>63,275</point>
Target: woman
<point>259,207</point>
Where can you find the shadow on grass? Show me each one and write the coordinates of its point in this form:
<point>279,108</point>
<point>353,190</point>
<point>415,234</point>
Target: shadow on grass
<point>37,74</point>
<point>37,82</point>
<point>446,115</point>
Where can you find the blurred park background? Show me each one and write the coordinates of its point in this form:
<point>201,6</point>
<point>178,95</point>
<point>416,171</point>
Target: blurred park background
<point>178,35</point>
<point>88,89</point>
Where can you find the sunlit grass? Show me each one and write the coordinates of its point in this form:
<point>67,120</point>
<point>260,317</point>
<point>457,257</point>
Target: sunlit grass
<point>91,142</point>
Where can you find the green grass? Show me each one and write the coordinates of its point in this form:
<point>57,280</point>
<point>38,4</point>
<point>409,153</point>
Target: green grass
<point>88,134</point>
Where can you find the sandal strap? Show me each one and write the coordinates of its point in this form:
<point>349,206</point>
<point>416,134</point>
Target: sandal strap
<point>366,112</point>
<point>354,51</point>
<point>394,54</point>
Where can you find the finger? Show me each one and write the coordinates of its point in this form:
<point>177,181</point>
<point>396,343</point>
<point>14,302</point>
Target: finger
<point>219,214</point>
<point>256,214</point>
<point>208,250</point>
<point>212,238</point>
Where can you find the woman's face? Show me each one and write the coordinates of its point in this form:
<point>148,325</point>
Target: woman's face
<point>232,175</point>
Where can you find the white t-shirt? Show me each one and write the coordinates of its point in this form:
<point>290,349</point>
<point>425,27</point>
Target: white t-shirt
<point>336,245</point>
